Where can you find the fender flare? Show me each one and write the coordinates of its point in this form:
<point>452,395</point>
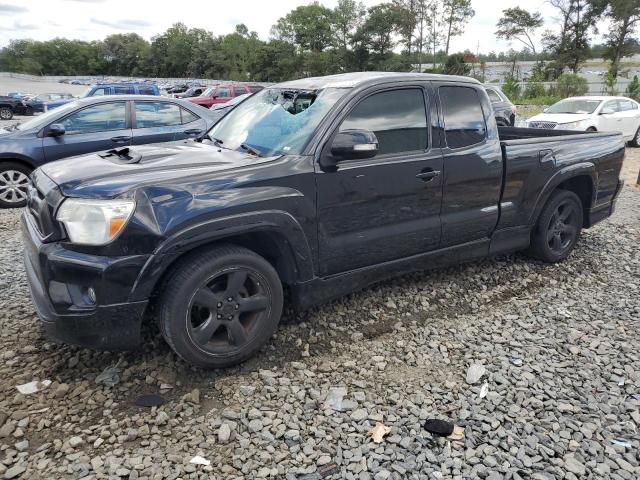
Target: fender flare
<point>562,175</point>
<point>17,157</point>
<point>200,234</point>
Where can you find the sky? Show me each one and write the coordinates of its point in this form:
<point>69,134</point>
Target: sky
<point>95,19</point>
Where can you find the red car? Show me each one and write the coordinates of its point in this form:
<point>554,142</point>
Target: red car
<point>222,93</point>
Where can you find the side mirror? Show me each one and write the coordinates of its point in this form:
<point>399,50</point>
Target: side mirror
<point>354,144</point>
<point>55,130</point>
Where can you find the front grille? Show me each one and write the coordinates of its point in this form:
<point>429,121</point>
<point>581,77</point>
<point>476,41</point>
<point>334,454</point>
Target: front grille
<point>545,125</point>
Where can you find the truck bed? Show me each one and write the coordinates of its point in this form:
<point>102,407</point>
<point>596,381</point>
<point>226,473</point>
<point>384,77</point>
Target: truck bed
<point>535,158</point>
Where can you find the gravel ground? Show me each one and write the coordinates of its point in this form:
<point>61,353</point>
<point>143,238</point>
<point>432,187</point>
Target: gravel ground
<point>559,346</point>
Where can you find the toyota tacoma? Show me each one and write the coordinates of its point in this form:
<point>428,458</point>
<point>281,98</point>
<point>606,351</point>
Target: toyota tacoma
<point>316,187</point>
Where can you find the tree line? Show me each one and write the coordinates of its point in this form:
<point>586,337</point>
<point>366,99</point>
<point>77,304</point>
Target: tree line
<point>400,35</point>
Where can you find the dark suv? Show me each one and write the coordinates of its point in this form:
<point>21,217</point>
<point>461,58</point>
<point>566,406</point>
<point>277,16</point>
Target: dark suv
<point>319,187</point>
<point>504,110</point>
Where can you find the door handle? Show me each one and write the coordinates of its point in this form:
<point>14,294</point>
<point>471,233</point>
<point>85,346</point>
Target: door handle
<point>193,131</point>
<point>121,139</point>
<point>428,175</point>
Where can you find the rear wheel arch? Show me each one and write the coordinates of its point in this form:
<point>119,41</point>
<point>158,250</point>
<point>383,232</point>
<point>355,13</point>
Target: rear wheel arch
<point>580,179</point>
<point>581,185</point>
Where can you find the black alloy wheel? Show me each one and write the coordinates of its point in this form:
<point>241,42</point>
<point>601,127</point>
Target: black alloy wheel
<point>218,306</point>
<point>227,309</point>
<point>563,227</point>
<point>558,227</point>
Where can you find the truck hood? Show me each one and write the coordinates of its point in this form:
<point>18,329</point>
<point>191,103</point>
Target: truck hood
<point>560,118</point>
<point>99,176</point>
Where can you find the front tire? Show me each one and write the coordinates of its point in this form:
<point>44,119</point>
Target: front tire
<point>558,227</point>
<point>218,307</point>
<point>14,181</point>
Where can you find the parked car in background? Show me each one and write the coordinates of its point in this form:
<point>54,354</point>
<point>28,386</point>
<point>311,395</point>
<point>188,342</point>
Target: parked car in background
<point>20,95</point>
<point>117,88</point>
<point>317,187</point>
<point>219,110</point>
<point>9,106</point>
<point>504,110</point>
<point>89,125</point>
<point>193,91</point>
<point>178,88</point>
<point>223,93</point>
<point>41,102</point>
<point>593,114</point>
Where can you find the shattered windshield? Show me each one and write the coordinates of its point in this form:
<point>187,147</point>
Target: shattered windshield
<point>275,121</point>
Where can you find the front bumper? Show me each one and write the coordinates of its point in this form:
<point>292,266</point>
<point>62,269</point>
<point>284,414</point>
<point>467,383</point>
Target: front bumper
<point>59,280</point>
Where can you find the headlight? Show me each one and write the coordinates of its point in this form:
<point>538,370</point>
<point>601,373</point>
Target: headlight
<point>94,222</point>
<point>570,125</point>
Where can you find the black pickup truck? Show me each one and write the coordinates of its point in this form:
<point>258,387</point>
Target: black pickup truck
<point>319,187</point>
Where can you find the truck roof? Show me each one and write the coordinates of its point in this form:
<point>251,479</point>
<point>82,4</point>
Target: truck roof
<point>354,79</point>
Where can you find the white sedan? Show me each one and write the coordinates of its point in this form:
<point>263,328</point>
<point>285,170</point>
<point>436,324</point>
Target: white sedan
<point>593,114</point>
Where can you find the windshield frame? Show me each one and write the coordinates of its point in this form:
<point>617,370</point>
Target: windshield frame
<point>333,96</point>
<point>39,121</point>
<point>566,101</point>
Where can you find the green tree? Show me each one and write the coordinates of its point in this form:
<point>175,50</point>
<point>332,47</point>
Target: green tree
<point>348,16</point>
<point>571,85</point>
<point>310,27</point>
<point>625,17</point>
<point>570,47</point>
<point>457,14</point>
<point>633,89</point>
<point>519,24</point>
<point>376,34</point>
<point>126,54</point>
<point>456,65</point>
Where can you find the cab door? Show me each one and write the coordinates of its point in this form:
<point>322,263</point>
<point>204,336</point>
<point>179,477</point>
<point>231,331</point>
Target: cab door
<point>386,207</point>
<point>472,164</point>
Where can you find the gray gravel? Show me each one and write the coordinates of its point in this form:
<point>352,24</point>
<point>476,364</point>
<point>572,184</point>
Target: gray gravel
<point>559,347</point>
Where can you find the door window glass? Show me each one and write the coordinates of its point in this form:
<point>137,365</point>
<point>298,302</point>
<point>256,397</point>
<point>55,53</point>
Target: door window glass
<point>463,116</point>
<point>239,91</point>
<point>493,96</point>
<point>188,117</point>
<point>625,105</point>
<point>397,117</point>
<point>223,93</point>
<point>146,91</point>
<point>98,118</point>
<point>99,92</point>
<point>157,114</point>
<point>610,107</point>
<point>123,90</point>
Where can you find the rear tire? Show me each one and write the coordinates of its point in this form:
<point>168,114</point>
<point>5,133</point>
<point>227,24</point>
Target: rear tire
<point>14,180</point>
<point>6,113</point>
<point>591,129</point>
<point>218,307</point>
<point>558,227</point>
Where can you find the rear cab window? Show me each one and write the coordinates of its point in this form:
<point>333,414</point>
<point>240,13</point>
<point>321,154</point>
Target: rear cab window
<point>464,122</point>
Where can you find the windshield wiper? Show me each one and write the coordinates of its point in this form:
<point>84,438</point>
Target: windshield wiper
<point>251,150</point>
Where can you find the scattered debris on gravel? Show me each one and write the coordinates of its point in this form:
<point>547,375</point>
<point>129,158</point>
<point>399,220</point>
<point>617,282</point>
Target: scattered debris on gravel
<point>539,366</point>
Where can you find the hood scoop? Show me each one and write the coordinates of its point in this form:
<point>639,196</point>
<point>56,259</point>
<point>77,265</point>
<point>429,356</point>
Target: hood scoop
<point>121,155</point>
